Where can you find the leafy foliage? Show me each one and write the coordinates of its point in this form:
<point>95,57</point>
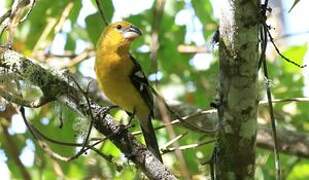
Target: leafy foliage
<point>190,85</point>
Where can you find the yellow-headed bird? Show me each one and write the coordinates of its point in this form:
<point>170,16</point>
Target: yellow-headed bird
<point>122,80</point>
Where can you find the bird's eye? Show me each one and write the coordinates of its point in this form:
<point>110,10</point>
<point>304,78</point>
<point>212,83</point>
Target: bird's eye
<point>119,26</point>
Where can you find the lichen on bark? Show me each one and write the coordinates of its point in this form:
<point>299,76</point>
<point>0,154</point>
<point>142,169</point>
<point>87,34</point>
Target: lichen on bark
<point>238,89</point>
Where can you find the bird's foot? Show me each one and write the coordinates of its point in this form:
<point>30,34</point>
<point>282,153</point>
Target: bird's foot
<point>104,111</point>
<point>131,117</point>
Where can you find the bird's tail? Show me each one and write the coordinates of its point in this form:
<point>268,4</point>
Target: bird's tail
<point>150,137</point>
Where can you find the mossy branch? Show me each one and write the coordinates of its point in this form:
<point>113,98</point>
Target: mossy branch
<point>55,86</point>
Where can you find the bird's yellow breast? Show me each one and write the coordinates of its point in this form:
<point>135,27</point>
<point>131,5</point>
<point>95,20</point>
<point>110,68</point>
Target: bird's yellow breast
<point>113,74</point>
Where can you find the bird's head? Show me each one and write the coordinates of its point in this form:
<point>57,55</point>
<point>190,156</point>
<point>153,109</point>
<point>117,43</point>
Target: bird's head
<point>119,34</point>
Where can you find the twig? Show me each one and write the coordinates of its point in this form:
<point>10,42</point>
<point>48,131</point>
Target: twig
<point>212,164</point>
<point>60,119</point>
<point>54,25</point>
<point>278,51</point>
<point>37,135</point>
<point>294,4</point>
<point>172,141</point>
<point>2,31</point>
<point>43,145</point>
<point>17,17</point>
<point>189,146</point>
<point>91,116</point>
<point>288,100</point>
<point>264,36</point>
<point>192,49</point>
<point>193,126</point>
<point>273,124</point>
<point>65,14</point>
<point>29,12</point>
<point>92,146</point>
<point>87,53</point>
<point>171,132</point>
<point>5,16</point>
<point>154,47</point>
<point>48,54</point>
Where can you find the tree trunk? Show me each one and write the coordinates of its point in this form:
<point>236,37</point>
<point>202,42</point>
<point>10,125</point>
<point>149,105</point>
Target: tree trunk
<point>238,92</point>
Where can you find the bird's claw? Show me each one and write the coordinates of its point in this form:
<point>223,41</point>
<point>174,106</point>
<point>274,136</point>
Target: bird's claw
<point>106,110</point>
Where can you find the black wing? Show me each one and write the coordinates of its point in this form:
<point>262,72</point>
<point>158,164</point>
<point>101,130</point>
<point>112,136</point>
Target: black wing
<point>141,83</point>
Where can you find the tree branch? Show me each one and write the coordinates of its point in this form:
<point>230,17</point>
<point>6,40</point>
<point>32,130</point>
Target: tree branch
<point>54,86</point>
<point>205,119</point>
<point>290,142</point>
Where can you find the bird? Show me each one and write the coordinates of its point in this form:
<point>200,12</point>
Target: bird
<point>122,80</point>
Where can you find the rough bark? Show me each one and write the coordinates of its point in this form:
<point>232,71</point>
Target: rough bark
<point>54,86</point>
<point>237,108</point>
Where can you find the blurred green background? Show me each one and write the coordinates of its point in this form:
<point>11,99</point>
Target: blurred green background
<point>184,68</point>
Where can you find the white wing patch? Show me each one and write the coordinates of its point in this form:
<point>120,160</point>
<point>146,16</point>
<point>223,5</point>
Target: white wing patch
<point>141,88</point>
<point>139,74</point>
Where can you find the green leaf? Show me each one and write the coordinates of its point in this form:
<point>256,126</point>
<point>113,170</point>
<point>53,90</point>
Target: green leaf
<point>8,3</point>
<point>75,11</point>
<point>75,171</point>
<point>296,54</point>
<point>95,23</point>
<point>52,130</point>
<point>259,173</point>
<point>79,33</point>
<point>126,173</point>
<point>110,149</point>
<point>94,27</point>
<point>204,12</point>
<point>42,20</point>
<point>107,7</point>
<point>70,43</point>
<point>300,171</point>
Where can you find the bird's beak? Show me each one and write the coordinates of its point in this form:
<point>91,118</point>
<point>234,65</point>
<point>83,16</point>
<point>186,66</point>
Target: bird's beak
<point>132,32</point>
